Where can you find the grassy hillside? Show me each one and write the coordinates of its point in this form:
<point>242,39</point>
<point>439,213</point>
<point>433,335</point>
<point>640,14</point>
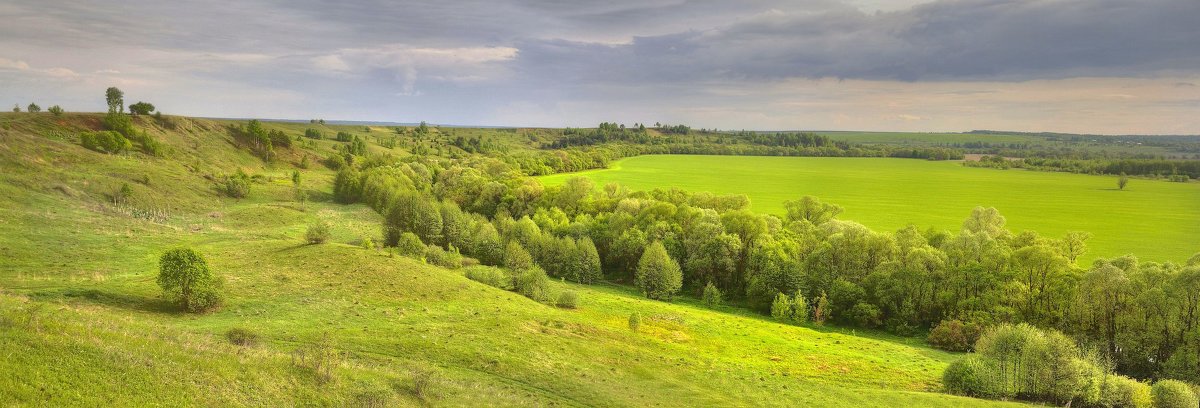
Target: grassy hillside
<point>83,322</point>
<point>887,194</point>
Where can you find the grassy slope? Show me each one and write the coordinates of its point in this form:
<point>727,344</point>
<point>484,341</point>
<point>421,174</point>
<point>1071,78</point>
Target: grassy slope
<point>1156,220</point>
<point>82,322</point>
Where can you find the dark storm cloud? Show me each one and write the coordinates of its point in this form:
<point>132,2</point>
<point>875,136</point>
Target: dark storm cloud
<point>949,40</point>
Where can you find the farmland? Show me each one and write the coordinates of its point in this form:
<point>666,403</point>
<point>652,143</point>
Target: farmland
<point>887,194</point>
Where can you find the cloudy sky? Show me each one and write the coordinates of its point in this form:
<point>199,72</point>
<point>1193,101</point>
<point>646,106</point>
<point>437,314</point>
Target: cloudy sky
<point>1088,66</point>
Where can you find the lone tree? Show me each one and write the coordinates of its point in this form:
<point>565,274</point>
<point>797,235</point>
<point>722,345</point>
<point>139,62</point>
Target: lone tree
<point>1122,181</point>
<point>115,99</point>
<point>141,108</point>
<point>56,110</point>
<point>658,276</point>
<point>33,108</point>
<point>184,276</point>
<point>16,108</point>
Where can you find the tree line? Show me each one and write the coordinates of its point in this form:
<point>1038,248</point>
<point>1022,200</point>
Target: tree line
<point>1142,315</point>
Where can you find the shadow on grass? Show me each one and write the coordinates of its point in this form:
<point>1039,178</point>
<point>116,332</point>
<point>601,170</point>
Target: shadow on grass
<point>111,299</point>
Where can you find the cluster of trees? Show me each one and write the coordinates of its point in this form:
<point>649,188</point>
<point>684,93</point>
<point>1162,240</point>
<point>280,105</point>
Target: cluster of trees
<point>258,139</point>
<point>120,134</point>
<point>1021,361</point>
<point>1159,168</point>
<point>903,281</point>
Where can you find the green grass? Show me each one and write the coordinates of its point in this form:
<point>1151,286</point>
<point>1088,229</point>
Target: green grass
<point>1155,220</point>
<point>83,323</point>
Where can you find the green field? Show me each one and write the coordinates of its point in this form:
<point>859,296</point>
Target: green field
<point>1155,220</point>
<point>83,323</point>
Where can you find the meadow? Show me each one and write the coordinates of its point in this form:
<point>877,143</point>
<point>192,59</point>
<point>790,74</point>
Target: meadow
<point>1153,219</point>
<point>82,321</point>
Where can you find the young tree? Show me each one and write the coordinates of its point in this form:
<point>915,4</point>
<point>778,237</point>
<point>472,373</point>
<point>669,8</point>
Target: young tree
<point>516,257</point>
<point>781,308</point>
<point>821,311</point>
<point>183,274</point>
<point>115,99</point>
<point>1122,181</point>
<point>317,233</point>
<point>711,295</point>
<point>16,108</point>
<point>56,110</point>
<point>658,276</point>
<point>589,259</point>
<point>799,308</point>
<point>33,108</point>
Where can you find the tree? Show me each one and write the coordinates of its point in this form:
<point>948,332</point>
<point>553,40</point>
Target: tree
<point>799,308</point>
<point>781,308</point>
<point>811,209</point>
<point>317,233</point>
<point>16,108</point>
<point>1122,181</point>
<point>516,257</point>
<point>141,108</point>
<point>589,259</point>
<point>1173,394</point>
<point>33,108</point>
<point>183,274</point>
<point>658,276</point>
<point>115,99</point>
<point>711,295</point>
<point>56,110</point>
<point>821,311</point>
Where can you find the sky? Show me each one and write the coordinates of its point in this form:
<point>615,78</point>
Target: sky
<point>1080,66</point>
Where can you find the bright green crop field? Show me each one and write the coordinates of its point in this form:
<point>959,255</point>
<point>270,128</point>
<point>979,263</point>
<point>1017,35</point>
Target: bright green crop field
<point>1155,220</point>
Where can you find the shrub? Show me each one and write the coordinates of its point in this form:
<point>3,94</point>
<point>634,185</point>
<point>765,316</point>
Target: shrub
<point>237,185</point>
<point>799,308</point>
<point>410,245</point>
<point>141,108</point>
<point>954,335</point>
<point>973,376</point>
<point>516,257</point>
<point>865,315</point>
<point>184,276</point>
<point>711,295</point>
<point>447,259</point>
<point>122,194</point>
<point>335,161</point>
<point>635,321</point>
<point>781,308</point>
<point>344,137</point>
<point>242,337</point>
<point>320,357</point>
<point>317,233</point>
<point>1119,391</point>
<point>423,382</point>
<point>368,244</point>
<point>56,110</point>
<point>106,141</point>
<point>532,283</point>
<point>313,133</point>
<point>490,275</point>
<point>1173,394</point>
<point>568,299</point>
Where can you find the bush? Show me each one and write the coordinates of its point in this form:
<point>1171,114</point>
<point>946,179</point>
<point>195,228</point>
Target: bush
<point>516,257</point>
<point>781,308</point>
<point>410,245</point>
<point>320,357</point>
<point>237,185</point>
<point>313,133</point>
<point>56,110</point>
<point>242,337</point>
<point>865,315</point>
<point>1173,394</point>
<point>954,335</point>
<point>447,259</point>
<point>635,321</point>
<point>568,300</point>
<point>973,376</point>
<point>1119,391</point>
<point>335,161</point>
<point>532,283</point>
<point>106,141</point>
<point>344,137</point>
<point>184,276</point>
<point>490,275</point>
<point>33,108</point>
<point>318,232</point>
<point>368,244</point>
<point>141,108</point>
<point>711,295</point>
<point>423,383</point>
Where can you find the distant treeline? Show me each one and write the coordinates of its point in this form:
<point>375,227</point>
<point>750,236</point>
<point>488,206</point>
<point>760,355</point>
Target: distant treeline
<point>1177,170</point>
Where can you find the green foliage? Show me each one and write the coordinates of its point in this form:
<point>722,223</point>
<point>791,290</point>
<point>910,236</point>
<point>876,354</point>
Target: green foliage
<point>635,321</point>
<point>241,336</point>
<point>368,244</point>
<point>313,134</point>
<point>447,259</point>
<point>532,283</point>
<point>115,99</point>
<point>410,244</point>
<point>317,232</point>
<point>781,308</point>
<point>568,299</point>
<point>973,376</point>
<point>1124,392</point>
<point>821,310</point>
<point>347,186</point>
<point>16,108</point>
<point>320,358</point>
<point>658,276</point>
<point>237,185</point>
<point>33,108</point>
<point>56,110</point>
<point>517,258</point>
<point>799,308</point>
<point>954,335</point>
<point>343,137</point>
<point>122,195</point>
<point>866,315</point>
<point>711,295</point>
<point>184,276</point>
<point>105,141</point>
<point>1173,394</point>
<point>489,275</point>
<point>141,108</point>
<point>1122,181</point>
